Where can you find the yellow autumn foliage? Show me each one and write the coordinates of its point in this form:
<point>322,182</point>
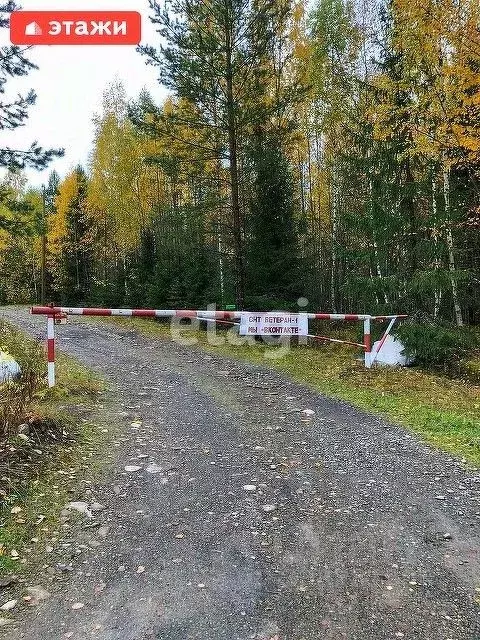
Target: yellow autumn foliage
<point>439,45</point>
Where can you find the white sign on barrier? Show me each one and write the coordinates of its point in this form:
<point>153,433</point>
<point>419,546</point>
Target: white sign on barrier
<point>274,324</point>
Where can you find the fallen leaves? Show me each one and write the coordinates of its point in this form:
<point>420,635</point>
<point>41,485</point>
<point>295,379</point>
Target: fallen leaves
<point>153,469</point>
<point>8,606</point>
<point>103,531</point>
<point>4,622</point>
<point>268,508</point>
<point>80,507</point>
<point>37,595</point>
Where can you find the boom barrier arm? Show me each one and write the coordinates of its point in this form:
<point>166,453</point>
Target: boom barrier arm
<point>54,314</point>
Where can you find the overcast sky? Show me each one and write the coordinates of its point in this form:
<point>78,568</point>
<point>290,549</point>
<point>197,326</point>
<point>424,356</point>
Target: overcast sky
<point>70,83</point>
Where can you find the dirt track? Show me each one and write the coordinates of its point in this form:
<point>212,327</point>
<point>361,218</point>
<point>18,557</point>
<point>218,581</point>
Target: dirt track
<point>354,529</point>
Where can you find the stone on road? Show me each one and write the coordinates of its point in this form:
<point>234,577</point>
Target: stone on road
<point>218,525</point>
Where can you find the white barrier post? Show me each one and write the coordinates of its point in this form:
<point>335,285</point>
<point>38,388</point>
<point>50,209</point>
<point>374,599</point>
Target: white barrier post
<point>51,350</point>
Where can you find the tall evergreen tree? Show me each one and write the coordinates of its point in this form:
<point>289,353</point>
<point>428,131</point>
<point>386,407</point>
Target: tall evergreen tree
<point>14,113</point>
<point>70,240</point>
<point>51,191</point>
<point>214,57</point>
<point>77,256</point>
<point>274,275</point>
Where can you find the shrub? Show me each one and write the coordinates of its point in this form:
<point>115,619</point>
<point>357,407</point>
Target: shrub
<point>436,344</point>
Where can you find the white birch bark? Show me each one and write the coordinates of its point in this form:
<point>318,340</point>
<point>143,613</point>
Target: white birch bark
<point>450,247</point>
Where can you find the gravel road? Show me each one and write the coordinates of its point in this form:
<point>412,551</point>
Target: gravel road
<point>241,517</point>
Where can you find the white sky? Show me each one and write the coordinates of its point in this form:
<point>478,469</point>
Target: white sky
<point>70,82</point>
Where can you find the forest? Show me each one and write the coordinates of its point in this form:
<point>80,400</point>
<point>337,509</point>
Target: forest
<point>326,150</point>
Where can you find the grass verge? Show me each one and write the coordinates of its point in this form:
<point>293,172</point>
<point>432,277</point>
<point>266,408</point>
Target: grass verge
<point>58,446</point>
<point>444,412</point>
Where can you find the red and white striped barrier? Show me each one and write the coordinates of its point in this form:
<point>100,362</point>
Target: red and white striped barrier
<point>55,314</point>
<point>51,350</point>
<point>187,313</point>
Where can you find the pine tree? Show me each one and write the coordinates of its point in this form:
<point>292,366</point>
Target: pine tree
<point>274,276</point>
<point>51,191</point>
<point>70,241</point>
<point>14,113</point>
<point>214,57</point>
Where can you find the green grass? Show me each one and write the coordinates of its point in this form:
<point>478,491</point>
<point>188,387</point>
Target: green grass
<point>44,492</point>
<point>443,412</point>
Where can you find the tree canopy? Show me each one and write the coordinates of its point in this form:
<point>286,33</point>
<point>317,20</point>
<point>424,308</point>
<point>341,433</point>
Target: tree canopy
<point>329,151</point>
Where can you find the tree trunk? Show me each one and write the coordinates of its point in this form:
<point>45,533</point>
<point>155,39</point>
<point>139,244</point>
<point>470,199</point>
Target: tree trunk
<point>436,263</point>
<point>378,267</point>
<point>320,262</point>
<point>410,214</point>
<point>333,272</point>
<point>77,260</point>
<point>233,168</point>
<point>451,254</point>
<point>219,216</point>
